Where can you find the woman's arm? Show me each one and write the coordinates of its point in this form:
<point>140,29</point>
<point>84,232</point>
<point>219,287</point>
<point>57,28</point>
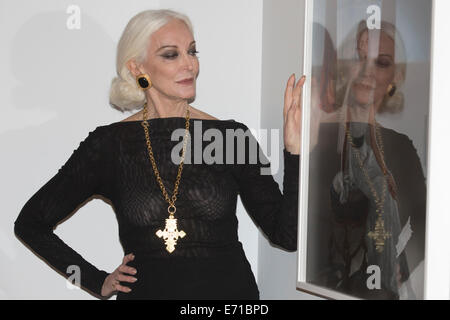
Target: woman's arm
<point>274,212</point>
<point>82,176</point>
<point>412,197</point>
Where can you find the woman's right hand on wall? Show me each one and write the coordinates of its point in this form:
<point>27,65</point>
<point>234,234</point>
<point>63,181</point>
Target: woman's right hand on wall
<point>122,274</point>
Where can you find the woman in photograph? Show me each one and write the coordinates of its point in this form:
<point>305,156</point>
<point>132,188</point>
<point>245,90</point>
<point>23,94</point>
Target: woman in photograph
<point>375,183</point>
<point>180,244</point>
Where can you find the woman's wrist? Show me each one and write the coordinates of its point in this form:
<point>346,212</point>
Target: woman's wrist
<point>292,151</point>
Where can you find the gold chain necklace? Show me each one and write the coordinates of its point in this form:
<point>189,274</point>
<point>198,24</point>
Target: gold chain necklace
<point>170,234</point>
<point>379,234</point>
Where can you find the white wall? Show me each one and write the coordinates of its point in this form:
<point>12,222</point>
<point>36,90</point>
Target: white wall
<point>282,56</point>
<point>54,91</point>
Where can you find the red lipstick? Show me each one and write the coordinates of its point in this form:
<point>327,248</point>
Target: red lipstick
<point>186,81</point>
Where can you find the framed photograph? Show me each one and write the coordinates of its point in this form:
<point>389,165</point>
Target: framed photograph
<point>363,212</point>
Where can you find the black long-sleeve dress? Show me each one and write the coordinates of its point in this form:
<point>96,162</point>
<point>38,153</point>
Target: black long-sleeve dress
<point>209,262</point>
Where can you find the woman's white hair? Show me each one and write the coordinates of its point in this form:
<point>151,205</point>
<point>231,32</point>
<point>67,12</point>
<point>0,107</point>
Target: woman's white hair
<point>133,44</point>
<point>348,52</point>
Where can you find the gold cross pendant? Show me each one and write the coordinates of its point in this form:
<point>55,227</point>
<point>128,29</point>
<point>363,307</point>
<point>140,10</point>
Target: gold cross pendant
<point>379,235</point>
<point>170,234</point>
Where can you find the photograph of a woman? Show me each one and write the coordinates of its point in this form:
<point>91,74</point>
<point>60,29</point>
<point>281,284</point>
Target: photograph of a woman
<point>369,198</point>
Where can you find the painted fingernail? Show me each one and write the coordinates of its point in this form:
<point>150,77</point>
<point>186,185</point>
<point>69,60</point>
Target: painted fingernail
<point>134,279</point>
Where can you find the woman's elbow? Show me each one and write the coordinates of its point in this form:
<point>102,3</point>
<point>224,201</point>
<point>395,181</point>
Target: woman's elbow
<point>20,229</point>
<point>289,245</point>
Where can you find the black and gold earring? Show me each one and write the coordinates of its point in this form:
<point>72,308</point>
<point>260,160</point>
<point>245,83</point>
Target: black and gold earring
<point>391,89</point>
<point>144,82</point>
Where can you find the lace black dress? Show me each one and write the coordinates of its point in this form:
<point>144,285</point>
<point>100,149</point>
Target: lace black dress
<point>209,262</point>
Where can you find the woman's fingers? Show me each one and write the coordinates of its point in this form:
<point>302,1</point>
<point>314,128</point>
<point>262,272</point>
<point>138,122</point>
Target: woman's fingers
<point>288,95</point>
<point>121,274</point>
<point>293,95</point>
<point>126,269</point>
<point>294,111</point>
<point>127,258</point>
<point>118,277</point>
<point>297,93</point>
<point>121,288</point>
<point>124,278</point>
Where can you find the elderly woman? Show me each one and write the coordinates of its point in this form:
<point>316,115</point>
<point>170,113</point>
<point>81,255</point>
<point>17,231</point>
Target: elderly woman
<point>375,216</point>
<point>182,245</point>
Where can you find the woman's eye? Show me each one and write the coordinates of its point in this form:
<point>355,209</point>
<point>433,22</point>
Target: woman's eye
<point>170,55</point>
<point>193,52</point>
<point>383,63</point>
<point>173,55</point>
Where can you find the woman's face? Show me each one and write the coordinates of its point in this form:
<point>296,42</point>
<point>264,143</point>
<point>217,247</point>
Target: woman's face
<point>171,58</point>
<point>375,68</point>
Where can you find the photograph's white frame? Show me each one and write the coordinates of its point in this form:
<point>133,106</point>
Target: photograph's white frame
<point>437,252</point>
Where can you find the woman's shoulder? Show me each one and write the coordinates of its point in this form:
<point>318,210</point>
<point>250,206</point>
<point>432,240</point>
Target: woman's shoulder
<point>196,114</point>
<point>201,115</point>
<point>396,138</point>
